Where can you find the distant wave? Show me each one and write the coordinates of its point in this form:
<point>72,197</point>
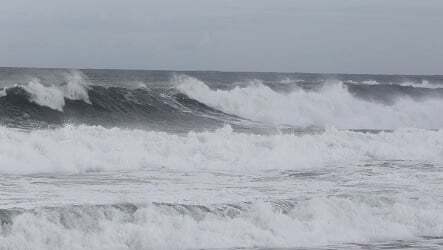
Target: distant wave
<point>423,84</point>
<point>79,149</point>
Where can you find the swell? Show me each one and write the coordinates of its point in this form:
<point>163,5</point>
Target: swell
<point>305,223</point>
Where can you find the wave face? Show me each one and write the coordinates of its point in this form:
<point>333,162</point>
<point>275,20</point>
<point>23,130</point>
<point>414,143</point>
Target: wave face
<point>115,159</point>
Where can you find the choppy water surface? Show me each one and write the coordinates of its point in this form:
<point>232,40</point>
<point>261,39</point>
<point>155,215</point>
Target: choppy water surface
<point>212,160</point>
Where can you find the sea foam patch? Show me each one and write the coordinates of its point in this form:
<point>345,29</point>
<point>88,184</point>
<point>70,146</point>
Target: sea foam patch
<point>79,149</point>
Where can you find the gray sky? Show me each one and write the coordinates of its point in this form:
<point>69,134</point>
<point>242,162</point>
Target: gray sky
<point>349,36</point>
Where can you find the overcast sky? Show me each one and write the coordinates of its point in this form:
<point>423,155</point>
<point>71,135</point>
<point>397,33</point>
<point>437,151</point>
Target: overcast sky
<point>348,36</point>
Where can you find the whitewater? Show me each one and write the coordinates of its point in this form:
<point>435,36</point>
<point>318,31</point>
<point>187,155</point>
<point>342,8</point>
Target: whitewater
<point>115,159</point>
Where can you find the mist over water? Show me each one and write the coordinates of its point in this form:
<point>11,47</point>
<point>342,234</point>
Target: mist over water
<point>112,159</point>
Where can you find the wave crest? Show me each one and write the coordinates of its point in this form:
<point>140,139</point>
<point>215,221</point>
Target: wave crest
<point>75,87</point>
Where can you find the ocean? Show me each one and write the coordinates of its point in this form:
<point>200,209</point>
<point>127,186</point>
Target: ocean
<point>132,159</point>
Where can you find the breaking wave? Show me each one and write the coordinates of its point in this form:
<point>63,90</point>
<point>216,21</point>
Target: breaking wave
<point>333,104</point>
<point>76,101</point>
<point>184,103</point>
<point>79,149</point>
<point>75,87</point>
<point>315,222</point>
<point>115,159</point>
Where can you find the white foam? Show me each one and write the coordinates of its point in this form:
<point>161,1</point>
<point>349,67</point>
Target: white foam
<point>320,221</point>
<point>424,84</point>
<point>290,81</point>
<point>75,87</point>
<point>370,82</point>
<point>332,105</point>
<point>2,92</point>
<point>86,148</point>
<point>49,96</point>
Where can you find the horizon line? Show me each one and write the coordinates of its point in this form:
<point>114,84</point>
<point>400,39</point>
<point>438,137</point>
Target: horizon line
<point>219,71</point>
